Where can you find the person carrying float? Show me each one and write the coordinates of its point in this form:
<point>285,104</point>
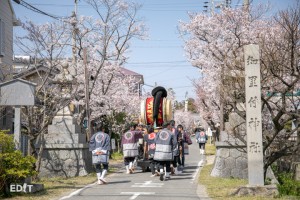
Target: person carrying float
<point>149,149</point>
<point>165,144</point>
<point>129,145</point>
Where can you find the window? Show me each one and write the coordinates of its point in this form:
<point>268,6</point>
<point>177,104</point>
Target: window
<point>2,37</point>
<point>4,113</point>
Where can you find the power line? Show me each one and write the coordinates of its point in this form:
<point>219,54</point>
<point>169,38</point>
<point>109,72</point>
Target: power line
<point>177,67</point>
<point>160,47</point>
<point>187,6</point>
<point>156,62</point>
<point>163,4</point>
<point>34,9</point>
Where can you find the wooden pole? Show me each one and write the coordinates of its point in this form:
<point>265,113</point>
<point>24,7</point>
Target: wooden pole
<point>87,95</point>
<point>17,127</point>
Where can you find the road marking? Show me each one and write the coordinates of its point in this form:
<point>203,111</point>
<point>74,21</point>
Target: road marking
<point>136,194</point>
<point>200,163</point>
<point>148,184</point>
<point>77,191</point>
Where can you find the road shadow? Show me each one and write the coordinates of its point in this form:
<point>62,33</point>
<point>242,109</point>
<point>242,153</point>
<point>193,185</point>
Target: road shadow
<point>190,167</point>
<point>180,178</point>
<point>182,174</point>
<point>116,182</point>
<point>190,171</point>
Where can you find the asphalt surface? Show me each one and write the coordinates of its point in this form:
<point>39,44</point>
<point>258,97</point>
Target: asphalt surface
<point>141,186</point>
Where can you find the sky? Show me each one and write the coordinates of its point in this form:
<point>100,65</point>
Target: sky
<point>161,58</point>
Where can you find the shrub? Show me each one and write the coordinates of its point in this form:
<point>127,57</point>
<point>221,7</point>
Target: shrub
<point>14,167</point>
<point>287,185</point>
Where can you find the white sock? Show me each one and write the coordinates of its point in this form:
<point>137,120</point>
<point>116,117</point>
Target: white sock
<point>161,171</point>
<point>200,151</point>
<point>98,175</point>
<point>175,170</point>
<point>130,165</point>
<point>167,174</point>
<point>103,174</point>
<point>127,169</point>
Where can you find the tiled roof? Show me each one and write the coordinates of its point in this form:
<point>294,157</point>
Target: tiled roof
<point>129,72</point>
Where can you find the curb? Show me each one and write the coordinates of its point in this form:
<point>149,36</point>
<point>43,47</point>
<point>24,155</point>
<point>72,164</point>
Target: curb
<point>201,189</point>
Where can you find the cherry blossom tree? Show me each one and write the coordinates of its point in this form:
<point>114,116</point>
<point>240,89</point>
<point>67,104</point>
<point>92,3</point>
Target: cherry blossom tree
<point>47,44</point>
<point>215,45</point>
<point>186,119</point>
<point>107,40</point>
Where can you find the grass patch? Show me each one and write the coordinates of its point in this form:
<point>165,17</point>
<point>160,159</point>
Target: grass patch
<point>117,156</point>
<point>56,187</point>
<point>220,188</point>
<point>210,149</point>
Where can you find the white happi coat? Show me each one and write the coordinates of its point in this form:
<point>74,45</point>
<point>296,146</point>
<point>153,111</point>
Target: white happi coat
<point>165,144</point>
<point>129,143</point>
<point>100,141</point>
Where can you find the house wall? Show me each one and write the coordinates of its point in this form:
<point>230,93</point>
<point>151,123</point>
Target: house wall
<point>6,15</point>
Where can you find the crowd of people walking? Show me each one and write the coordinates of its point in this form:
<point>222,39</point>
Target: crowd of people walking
<point>164,148</point>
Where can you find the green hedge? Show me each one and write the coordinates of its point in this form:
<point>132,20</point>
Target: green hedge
<point>14,167</point>
<point>287,185</point>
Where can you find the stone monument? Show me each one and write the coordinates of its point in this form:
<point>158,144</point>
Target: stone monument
<point>243,157</point>
<point>66,150</point>
<point>253,116</point>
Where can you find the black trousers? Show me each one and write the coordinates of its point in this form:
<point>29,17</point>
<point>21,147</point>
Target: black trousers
<point>127,160</point>
<point>99,168</point>
<point>175,161</point>
<point>152,165</point>
<point>161,165</point>
<point>202,145</point>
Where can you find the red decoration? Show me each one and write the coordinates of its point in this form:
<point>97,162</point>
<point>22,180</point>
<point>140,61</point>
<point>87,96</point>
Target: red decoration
<point>149,112</point>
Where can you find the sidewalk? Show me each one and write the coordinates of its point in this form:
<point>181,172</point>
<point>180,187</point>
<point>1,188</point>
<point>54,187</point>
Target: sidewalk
<point>201,189</point>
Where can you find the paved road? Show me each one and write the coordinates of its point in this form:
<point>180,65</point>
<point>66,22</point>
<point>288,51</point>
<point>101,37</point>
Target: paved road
<point>141,186</point>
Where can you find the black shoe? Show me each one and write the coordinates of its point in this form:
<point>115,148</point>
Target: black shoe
<point>161,176</point>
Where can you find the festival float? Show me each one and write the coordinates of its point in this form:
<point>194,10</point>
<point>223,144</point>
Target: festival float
<point>155,111</point>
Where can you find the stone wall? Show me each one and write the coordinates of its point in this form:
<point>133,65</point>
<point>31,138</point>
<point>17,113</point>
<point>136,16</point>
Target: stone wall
<point>67,160</point>
<point>231,160</point>
<point>66,151</point>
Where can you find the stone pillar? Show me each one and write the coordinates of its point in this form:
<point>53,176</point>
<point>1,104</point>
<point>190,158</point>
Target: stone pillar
<point>66,152</point>
<point>253,116</point>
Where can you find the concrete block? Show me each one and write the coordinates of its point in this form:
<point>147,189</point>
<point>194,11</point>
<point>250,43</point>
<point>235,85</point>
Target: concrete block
<point>235,153</point>
<point>224,153</point>
<point>229,163</point>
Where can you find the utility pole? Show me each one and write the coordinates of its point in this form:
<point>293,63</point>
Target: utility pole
<point>221,90</point>
<point>227,3</point>
<point>74,33</point>
<point>219,4</point>
<point>246,5</point>
<point>186,102</point>
<point>87,95</point>
<point>212,12</point>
